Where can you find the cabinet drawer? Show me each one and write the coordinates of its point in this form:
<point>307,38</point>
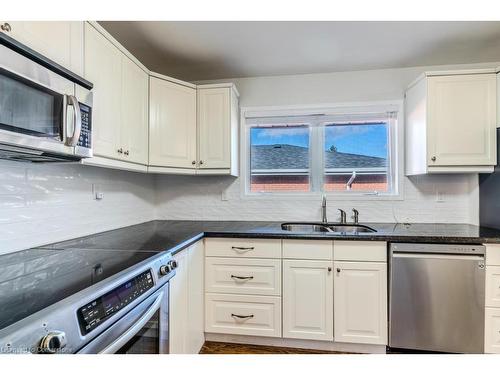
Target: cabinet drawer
<point>243,315</point>
<point>493,286</point>
<point>362,251</point>
<point>243,276</point>
<point>243,247</point>
<point>308,249</point>
<point>492,331</point>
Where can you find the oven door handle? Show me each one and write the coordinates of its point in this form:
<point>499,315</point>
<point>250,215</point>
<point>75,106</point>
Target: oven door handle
<point>132,331</point>
<point>77,121</point>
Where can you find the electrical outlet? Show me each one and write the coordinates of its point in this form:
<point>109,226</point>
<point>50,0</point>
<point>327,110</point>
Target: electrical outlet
<point>440,196</point>
<point>97,193</point>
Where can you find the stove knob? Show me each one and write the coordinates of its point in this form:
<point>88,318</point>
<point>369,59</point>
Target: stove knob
<point>173,264</point>
<point>165,269</point>
<point>53,342</point>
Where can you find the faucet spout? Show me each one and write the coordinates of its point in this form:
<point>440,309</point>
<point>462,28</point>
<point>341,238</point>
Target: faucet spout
<point>324,219</point>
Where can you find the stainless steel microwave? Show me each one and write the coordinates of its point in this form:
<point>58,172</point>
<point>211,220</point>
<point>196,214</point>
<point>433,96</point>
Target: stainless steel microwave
<point>44,115</point>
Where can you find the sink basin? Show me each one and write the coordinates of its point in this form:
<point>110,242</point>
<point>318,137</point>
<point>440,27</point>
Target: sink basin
<point>305,227</point>
<point>327,228</point>
<point>351,229</point>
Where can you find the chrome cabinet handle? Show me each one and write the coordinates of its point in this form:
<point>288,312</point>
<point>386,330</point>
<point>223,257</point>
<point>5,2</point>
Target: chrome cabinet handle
<point>433,158</point>
<point>242,248</point>
<point>201,162</point>
<point>120,150</point>
<point>126,153</point>
<point>338,270</point>
<point>6,27</point>
<point>193,162</point>
<point>242,316</point>
<point>329,269</point>
<point>77,118</point>
<point>242,277</point>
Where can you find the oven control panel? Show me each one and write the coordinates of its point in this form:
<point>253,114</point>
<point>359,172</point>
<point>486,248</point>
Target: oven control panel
<point>85,139</point>
<point>94,313</point>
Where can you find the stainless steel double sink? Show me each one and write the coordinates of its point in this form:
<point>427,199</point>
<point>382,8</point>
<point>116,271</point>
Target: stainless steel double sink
<point>327,228</point>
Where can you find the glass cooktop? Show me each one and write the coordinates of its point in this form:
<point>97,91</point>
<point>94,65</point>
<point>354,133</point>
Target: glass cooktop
<point>34,279</point>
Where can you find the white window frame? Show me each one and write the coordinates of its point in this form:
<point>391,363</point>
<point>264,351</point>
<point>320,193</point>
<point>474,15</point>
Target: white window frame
<point>395,140</point>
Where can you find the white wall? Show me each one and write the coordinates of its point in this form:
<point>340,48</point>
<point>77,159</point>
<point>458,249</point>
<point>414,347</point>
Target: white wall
<point>200,197</point>
<point>42,203</point>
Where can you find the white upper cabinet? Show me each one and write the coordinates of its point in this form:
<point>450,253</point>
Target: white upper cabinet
<point>103,67</point>
<point>217,128</point>
<point>360,302</point>
<point>120,101</point>
<point>308,299</point>
<point>134,122</point>
<point>498,97</point>
<point>172,124</point>
<point>450,123</point>
<point>60,41</point>
<point>192,129</point>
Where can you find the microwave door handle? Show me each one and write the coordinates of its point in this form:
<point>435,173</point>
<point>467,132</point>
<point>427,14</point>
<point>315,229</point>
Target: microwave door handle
<point>132,331</point>
<point>77,120</point>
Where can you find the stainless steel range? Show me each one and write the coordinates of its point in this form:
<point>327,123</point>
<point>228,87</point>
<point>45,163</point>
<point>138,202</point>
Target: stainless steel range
<point>80,297</point>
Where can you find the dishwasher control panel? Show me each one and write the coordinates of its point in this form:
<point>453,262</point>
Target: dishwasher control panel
<point>464,249</point>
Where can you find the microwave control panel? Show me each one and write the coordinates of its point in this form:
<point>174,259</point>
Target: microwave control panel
<point>85,139</point>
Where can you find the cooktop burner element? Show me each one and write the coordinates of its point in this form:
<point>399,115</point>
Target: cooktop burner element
<point>34,279</point>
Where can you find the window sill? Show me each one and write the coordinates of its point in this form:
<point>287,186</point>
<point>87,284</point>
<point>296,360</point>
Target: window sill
<point>281,196</point>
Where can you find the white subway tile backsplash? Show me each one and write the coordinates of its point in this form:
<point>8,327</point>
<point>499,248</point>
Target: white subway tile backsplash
<point>45,203</point>
<point>184,197</point>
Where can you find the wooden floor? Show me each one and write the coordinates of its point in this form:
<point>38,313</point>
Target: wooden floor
<point>211,347</point>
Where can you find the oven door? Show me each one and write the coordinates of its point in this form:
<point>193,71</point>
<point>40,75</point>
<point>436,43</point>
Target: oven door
<point>144,330</point>
<point>38,108</point>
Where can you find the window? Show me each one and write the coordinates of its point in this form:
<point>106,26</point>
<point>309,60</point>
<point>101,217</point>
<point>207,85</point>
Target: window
<point>322,153</point>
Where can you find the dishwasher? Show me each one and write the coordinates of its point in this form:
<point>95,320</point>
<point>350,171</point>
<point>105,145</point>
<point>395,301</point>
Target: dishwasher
<point>436,297</point>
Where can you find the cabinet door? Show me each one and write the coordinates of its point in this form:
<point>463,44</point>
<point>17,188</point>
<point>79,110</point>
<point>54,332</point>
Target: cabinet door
<point>60,41</point>
<point>214,124</point>
<point>196,314</point>
<point>103,63</point>
<point>461,120</point>
<point>360,302</point>
<point>308,299</point>
<point>492,331</point>
<point>178,306</point>
<point>172,127</point>
<point>134,124</point>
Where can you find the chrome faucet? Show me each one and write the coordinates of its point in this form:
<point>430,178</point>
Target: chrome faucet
<point>324,219</point>
<point>355,215</point>
<point>343,217</point>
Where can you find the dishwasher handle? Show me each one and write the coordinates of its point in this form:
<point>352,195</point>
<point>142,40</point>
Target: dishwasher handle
<point>437,256</point>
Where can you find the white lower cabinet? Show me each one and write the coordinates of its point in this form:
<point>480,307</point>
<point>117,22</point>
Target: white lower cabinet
<point>492,331</point>
<point>243,314</point>
<point>360,299</point>
<point>186,328</point>
<point>308,299</point>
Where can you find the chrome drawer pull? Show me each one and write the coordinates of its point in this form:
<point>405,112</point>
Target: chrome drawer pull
<point>242,277</point>
<point>238,248</point>
<point>242,316</point>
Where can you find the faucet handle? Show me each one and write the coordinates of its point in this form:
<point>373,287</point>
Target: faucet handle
<point>342,216</point>
<point>355,215</point>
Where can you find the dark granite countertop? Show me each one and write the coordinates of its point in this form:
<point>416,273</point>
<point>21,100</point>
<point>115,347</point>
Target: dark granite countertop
<point>174,235</point>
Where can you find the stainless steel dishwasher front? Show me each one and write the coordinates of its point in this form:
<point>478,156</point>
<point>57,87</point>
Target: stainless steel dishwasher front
<point>436,297</point>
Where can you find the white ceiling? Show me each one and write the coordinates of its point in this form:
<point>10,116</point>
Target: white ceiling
<point>213,50</point>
